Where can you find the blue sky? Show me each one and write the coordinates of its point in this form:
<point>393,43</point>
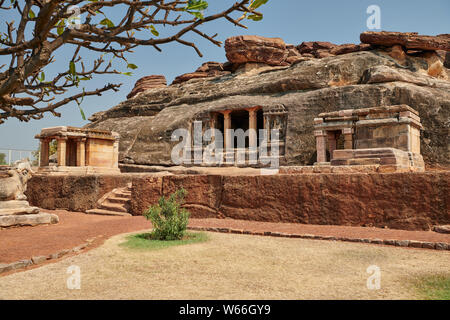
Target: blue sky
<point>293,20</point>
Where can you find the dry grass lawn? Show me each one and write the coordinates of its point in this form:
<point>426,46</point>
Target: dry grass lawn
<point>232,267</point>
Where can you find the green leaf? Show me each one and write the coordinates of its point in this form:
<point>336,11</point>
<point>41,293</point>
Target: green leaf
<point>197,5</point>
<point>127,73</point>
<point>257,3</point>
<point>82,112</point>
<point>31,14</point>
<point>132,66</point>
<point>61,27</point>
<point>198,15</point>
<point>255,17</point>
<point>107,22</point>
<point>42,77</point>
<point>72,70</point>
<point>154,31</point>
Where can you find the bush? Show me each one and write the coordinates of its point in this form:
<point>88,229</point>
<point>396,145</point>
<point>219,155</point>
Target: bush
<point>169,220</point>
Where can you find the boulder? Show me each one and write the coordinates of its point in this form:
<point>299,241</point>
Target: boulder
<point>189,76</point>
<point>409,40</point>
<point>206,70</point>
<point>148,82</point>
<point>244,49</point>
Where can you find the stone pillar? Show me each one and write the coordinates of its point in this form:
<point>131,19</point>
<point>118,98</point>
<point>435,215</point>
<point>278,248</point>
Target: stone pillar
<point>331,143</point>
<point>81,152</point>
<point>213,125</point>
<point>45,152</point>
<point>321,145</point>
<point>228,144</point>
<point>227,129</point>
<point>253,127</point>
<point>61,152</point>
<point>348,138</point>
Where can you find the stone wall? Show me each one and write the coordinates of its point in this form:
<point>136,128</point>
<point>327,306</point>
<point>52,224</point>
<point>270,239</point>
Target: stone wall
<point>413,201</point>
<point>72,192</point>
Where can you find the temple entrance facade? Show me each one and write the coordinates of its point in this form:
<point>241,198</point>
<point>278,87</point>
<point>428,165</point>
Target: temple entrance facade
<point>79,150</point>
<point>245,137</point>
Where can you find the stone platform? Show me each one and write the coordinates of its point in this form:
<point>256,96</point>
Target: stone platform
<point>392,157</point>
<point>20,213</point>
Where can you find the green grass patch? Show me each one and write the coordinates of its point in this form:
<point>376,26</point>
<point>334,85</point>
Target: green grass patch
<point>434,287</point>
<point>145,241</point>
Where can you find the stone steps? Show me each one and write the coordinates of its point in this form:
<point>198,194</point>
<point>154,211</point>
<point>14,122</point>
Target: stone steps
<point>113,207</point>
<point>107,212</point>
<point>121,200</point>
<point>114,203</point>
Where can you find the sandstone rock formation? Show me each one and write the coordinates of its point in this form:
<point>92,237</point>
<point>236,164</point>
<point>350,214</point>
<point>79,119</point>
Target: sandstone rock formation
<point>244,49</point>
<point>376,76</point>
<point>410,40</point>
<point>321,49</point>
<point>148,82</point>
<point>208,69</point>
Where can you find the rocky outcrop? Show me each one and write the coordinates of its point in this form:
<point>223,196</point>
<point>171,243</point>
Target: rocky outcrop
<point>244,49</point>
<point>321,49</point>
<point>409,40</point>
<point>376,77</point>
<point>207,70</point>
<point>148,82</point>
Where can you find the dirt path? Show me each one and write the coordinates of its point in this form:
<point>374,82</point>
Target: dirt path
<point>76,228</point>
<point>231,266</point>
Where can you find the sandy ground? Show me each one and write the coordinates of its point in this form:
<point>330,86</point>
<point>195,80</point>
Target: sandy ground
<point>231,266</point>
<point>76,228</point>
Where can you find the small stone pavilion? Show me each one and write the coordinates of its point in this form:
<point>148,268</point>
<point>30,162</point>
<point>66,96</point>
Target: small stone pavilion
<point>80,150</point>
<point>373,136</point>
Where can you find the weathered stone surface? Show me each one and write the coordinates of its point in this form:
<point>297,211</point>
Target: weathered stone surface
<point>243,49</point>
<point>349,48</point>
<point>38,259</point>
<point>189,76</point>
<point>11,204</point>
<point>58,191</point>
<point>13,186</point>
<point>19,211</point>
<point>148,82</point>
<point>320,49</point>
<point>441,246</point>
<point>410,40</point>
<point>355,80</point>
<point>442,229</point>
<point>28,219</point>
<point>206,70</point>
<point>392,200</point>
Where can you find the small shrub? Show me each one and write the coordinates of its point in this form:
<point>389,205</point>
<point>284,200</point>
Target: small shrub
<point>169,220</point>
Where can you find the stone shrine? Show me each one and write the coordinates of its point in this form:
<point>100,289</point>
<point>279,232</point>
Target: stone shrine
<point>371,136</point>
<point>80,150</point>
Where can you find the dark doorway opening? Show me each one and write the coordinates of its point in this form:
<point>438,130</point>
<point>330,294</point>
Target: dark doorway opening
<point>239,120</point>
